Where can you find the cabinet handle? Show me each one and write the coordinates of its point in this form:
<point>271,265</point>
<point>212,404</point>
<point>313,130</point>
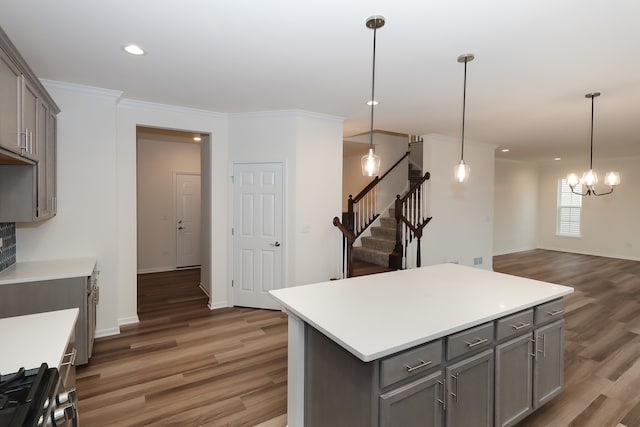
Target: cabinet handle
<point>24,147</point>
<point>444,396</point>
<point>535,348</point>
<point>520,325</point>
<point>555,312</point>
<point>421,365</point>
<point>477,342</point>
<point>71,356</point>
<point>544,345</point>
<point>31,142</point>
<point>455,378</point>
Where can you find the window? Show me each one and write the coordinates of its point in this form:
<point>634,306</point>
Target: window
<point>569,205</point>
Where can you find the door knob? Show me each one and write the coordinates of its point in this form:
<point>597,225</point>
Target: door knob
<point>276,244</point>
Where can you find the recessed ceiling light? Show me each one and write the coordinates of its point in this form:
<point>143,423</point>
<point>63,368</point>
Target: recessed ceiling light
<point>197,138</point>
<point>133,49</point>
<point>372,102</point>
<point>505,150</point>
<point>557,158</point>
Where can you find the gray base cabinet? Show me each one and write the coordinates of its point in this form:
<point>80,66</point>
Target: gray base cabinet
<point>548,373</point>
<point>470,392</point>
<point>416,404</point>
<point>494,374</point>
<point>50,295</point>
<point>514,380</point>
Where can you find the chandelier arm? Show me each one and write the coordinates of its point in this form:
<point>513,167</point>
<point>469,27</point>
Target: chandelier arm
<point>586,193</point>
<point>373,85</point>
<point>602,194</point>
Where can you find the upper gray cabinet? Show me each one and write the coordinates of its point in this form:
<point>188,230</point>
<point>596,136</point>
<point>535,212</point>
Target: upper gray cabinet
<point>27,141</point>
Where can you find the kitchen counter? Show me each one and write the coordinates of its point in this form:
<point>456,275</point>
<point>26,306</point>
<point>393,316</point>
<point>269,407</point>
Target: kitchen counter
<point>33,271</point>
<point>28,341</point>
<point>379,315</point>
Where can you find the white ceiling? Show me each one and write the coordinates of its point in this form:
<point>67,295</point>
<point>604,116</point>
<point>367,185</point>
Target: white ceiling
<point>535,60</point>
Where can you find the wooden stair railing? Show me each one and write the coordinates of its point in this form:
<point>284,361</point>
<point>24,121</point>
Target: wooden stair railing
<point>361,213</point>
<point>410,214</point>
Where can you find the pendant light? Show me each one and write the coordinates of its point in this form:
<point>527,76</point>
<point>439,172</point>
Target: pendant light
<point>461,170</point>
<point>590,178</point>
<point>371,162</point>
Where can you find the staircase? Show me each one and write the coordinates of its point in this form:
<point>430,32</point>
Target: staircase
<point>375,249</point>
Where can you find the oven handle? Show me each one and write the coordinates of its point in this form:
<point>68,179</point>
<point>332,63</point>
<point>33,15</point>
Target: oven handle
<point>71,356</point>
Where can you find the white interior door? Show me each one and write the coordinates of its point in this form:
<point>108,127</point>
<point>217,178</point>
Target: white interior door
<point>187,220</point>
<point>257,233</point>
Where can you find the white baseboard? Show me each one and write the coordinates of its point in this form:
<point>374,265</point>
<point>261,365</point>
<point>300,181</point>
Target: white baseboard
<point>128,320</point>
<point>155,270</point>
<point>107,332</point>
<point>217,305</point>
<point>206,292</point>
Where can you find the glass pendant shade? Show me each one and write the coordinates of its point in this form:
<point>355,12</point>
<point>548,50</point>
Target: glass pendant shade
<point>461,171</point>
<point>573,180</point>
<point>589,178</point>
<point>370,164</point>
<point>612,178</point>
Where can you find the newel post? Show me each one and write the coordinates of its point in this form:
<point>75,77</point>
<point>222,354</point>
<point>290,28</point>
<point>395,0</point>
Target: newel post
<point>395,257</point>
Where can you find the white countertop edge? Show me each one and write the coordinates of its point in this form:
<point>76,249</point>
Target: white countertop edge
<point>36,271</point>
<point>410,344</point>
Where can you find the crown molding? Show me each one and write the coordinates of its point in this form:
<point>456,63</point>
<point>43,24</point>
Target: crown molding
<point>286,113</point>
<point>88,90</point>
<point>146,105</point>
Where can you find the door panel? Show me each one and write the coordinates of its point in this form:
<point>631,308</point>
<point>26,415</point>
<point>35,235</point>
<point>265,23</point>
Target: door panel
<point>258,227</point>
<point>188,220</point>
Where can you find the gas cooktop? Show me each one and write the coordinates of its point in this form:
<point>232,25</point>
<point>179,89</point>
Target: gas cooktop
<point>26,396</point>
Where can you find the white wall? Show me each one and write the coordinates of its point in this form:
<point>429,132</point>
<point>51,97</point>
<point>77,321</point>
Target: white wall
<point>310,146</point>
<point>352,179</point>
<point>86,220</point>
<point>516,206</point>
<point>157,165</point>
<point>609,223</point>
<point>462,224</point>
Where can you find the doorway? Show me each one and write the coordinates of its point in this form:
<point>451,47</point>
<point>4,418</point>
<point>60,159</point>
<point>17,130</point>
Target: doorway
<point>160,155</point>
<point>258,233</point>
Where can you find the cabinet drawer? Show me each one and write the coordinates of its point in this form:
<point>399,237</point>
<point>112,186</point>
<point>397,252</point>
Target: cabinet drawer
<point>515,324</point>
<point>552,310</point>
<point>410,363</point>
<point>469,340</point>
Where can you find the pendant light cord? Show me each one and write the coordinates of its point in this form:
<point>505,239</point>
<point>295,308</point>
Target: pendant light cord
<point>591,153</point>
<point>464,104</point>
<point>373,84</point>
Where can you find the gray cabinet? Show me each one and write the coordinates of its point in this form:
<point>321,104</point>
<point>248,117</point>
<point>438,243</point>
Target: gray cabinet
<point>417,404</point>
<point>470,391</point>
<point>49,295</point>
<point>514,380</point>
<point>548,372</point>
<point>27,141</point>
<point>9,103</point>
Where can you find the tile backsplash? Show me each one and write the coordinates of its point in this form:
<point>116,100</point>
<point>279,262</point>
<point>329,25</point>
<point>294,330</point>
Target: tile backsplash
<point>8,249</point>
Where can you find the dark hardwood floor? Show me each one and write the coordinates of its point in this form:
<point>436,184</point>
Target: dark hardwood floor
<point>184,365</point>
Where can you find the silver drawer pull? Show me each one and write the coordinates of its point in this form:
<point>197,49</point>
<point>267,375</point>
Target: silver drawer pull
<point>421,365</point>
<point>520,325</point>
<point>555,312</point>
<point>477,342</point>
<point>71,356</point>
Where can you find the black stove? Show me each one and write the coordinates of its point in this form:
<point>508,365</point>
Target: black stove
<point>26,396</point>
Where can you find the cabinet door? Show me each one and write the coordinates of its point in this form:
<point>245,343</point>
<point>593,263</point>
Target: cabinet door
<point>29,122</point>
<point>417,404</point>
<point>51,160</point>
<point>514,380</point>
<point>41,138</point>
<point>548,372</point>
<point>470,391</point>
<point>9,104</point>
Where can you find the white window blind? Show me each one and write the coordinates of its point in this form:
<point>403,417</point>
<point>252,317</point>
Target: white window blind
<point>569,205</point>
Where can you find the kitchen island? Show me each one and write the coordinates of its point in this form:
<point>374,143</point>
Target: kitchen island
<point>392,348</point>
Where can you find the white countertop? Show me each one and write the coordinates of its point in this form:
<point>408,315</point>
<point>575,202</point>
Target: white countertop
<point>378,315</point>
<point>28,341</point>
<point>35,271</point>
